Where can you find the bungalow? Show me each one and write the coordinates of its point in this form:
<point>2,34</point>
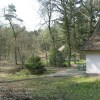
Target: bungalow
<point>92,48</point>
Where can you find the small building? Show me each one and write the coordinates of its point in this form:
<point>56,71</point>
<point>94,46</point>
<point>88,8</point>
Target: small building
<point>92,48</point>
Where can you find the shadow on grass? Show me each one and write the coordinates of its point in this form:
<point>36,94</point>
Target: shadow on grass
<point>70,91</point>
<point>59,88</point>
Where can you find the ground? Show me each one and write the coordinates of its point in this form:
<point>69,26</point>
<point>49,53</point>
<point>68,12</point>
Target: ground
<point>57,84</point>
<point>56,88</point>
<point>68,72</point>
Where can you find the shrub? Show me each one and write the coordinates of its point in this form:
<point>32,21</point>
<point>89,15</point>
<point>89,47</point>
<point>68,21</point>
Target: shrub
<point>81,67</point>
<point>35,66</point>
<point>57,59</point>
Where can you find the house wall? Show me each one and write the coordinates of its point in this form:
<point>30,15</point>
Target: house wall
<point>93,62</point>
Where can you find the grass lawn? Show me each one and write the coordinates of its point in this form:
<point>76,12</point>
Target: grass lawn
<point>5,75</point>
<point>62,88</point>
<point>54,88</point>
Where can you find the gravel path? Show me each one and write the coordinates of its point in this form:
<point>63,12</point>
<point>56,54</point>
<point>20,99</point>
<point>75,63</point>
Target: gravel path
<point>68,72</point>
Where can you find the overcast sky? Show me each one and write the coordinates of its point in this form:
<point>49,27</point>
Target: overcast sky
<point>27,10</point>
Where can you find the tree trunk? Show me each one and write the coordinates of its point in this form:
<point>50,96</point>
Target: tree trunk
<point>49,27</point>
<point>67,31</point>
<point>46,53</point>
<point>15,47</point>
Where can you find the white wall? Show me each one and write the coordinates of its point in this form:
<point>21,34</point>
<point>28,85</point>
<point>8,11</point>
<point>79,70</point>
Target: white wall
<point>93,62</point>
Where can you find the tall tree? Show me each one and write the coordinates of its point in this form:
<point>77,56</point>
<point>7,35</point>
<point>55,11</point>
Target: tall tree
<point>10,15</point>
<point>47,10</point>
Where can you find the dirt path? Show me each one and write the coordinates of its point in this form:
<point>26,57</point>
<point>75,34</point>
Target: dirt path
<point>68,72</point>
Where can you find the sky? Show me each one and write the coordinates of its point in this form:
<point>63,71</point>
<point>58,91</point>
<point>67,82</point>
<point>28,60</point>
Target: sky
<point>27,10</point>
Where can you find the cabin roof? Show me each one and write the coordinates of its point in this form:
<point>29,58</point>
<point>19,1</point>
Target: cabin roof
<point>94,41</point>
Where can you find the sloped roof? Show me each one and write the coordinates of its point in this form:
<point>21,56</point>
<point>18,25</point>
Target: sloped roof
<point>94,42</point>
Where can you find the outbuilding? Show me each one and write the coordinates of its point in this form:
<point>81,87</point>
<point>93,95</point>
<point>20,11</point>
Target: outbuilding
<point>92,48</point>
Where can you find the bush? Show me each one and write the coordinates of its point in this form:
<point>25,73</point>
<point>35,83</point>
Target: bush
<point>57,59</point>
<point>35,66</point>
<point>81,67</point>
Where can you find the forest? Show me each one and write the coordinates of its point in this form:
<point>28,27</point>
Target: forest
<point>67,23</point>
<point>56,44</point>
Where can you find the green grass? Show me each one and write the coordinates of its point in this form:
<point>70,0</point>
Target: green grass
<point>64,88</point>
<point>61,88</point>
<point>56,88</point>
<point>5,75</point>
<point>81,62</point>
